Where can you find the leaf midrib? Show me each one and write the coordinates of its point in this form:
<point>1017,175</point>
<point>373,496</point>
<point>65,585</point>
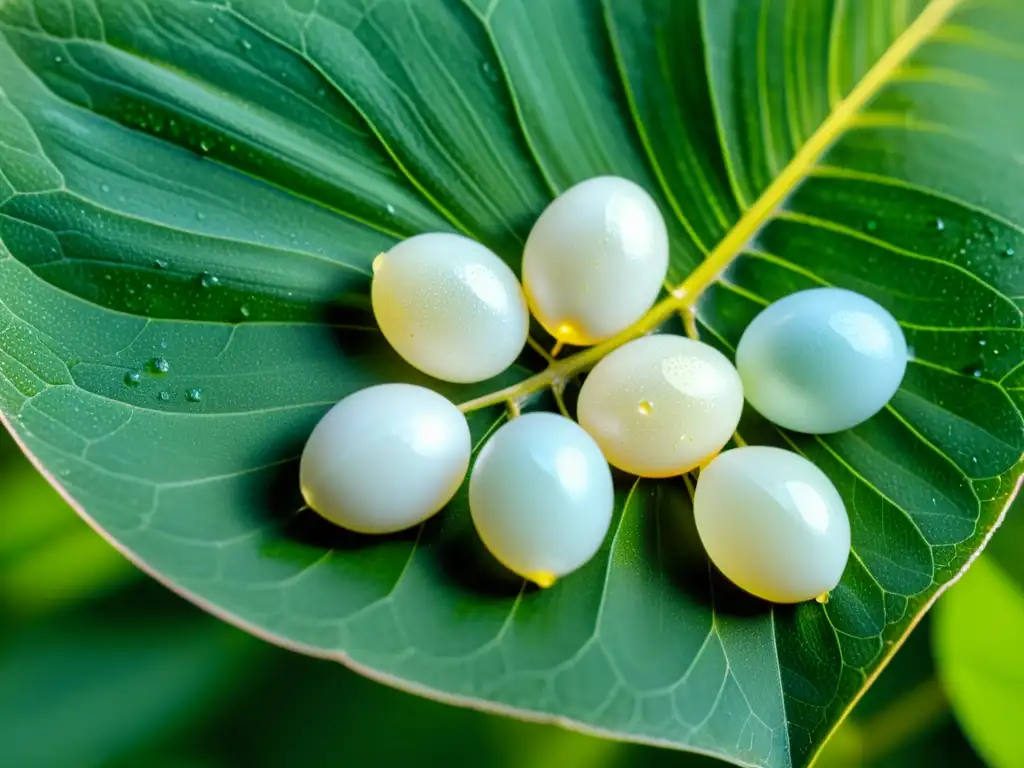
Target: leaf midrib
<point>807,156</point>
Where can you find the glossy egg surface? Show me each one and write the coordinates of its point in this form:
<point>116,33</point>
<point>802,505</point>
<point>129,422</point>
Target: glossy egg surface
<point>595,260</point>
<point>821,360</point>
<point>661,405</point>
<point>385,458</point>
<point>540,495</point>
<point>450,307</point>
<point>773,523</point>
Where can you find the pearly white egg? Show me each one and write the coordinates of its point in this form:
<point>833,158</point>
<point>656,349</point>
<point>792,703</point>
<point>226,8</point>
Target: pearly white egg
<point>595,260</point>
<point>450,307</point>
<point>661,405</point>
<point>385,458</point>
<point>821,360</point>
<point>541,496</point>
<point>773,523</point>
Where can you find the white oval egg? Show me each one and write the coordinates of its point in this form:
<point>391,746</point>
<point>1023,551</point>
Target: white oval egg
<point>773,523</point>
<point>595,260</point>
<point>821,360</point>
<point>450,307</point>
<point>385,458</point>
<point>541,496</point>
<point>661,405</point>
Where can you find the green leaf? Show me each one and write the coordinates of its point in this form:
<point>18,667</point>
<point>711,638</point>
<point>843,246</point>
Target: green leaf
<point>48,557</point>
<point>208,183</point>
<point>979,634</point>
<point>980,630</point>
<point>83,688</point>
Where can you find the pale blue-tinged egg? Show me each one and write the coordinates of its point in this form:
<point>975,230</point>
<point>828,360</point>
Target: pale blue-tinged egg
<point>773,523</point>
<point>661,405</point>
<point>450,307</point>
<point>595,260</point>
<point>541,496</point>
<point>385,458</point>
<point>821,360</point>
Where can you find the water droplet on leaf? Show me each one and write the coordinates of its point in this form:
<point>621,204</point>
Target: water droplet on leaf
<point>163,396</point>
<point>972,370</point>
<point>159,365</point>
<point>133,379</point>
<point>209,281</point>
<point>194,395</point>
<point>940,224</point>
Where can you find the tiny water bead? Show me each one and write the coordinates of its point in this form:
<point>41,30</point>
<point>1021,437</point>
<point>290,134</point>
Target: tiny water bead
<point>385,458</point>
<point>821,360</point>
<point>541,496</point>
<point>490,72</point>
<point>133,379</point>
<point>158,366</point>
<point>773,523</point>
<point>595,260</point>
<point>194,395</point>
<point>209,281</point>
<point>661,405</point>
<point>450,307</point>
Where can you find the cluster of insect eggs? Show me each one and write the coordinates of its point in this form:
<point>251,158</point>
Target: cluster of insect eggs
<point>540,491</point>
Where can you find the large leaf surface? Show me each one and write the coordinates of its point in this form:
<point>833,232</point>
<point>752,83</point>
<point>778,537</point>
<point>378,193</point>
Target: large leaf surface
<point>208,183</point>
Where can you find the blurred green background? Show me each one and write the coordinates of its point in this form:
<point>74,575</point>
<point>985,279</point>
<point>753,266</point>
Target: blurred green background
<point>101,666</point>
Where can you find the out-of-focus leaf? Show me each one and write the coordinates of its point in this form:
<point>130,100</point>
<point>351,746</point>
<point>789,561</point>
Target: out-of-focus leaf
<point>48,556</point>
<point>30,510</point>
<point>68,568</point>
<point>904,720</point>
<point>979,645</point>
<point>80,689</point>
